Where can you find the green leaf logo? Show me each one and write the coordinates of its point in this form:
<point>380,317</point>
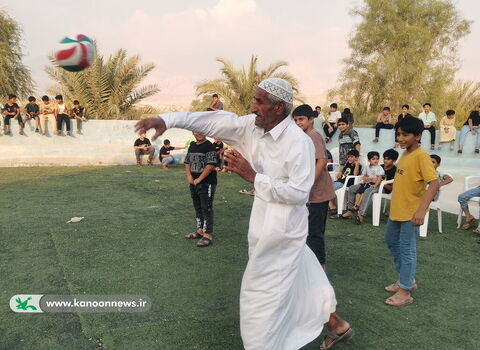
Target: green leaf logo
<point>23,305</point>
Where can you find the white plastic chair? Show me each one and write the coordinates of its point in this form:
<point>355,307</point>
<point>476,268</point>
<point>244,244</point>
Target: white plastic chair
<point>435,205</point>
<point>468,185</point>
<point>340,193</point>
<point>377,202</point>
<point>334,172</point>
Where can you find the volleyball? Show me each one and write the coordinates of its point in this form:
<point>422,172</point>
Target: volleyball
<point>76,52</point>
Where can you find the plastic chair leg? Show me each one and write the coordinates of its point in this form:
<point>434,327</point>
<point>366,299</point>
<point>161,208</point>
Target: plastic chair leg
<point>424,227</point>
<point>459,218</point>
<point>376,207</point>
<point>439,215</point>
<point>340,202</point>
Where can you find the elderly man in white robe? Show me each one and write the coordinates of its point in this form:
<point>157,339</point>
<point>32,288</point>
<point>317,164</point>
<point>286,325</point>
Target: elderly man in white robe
<point>285,296</point>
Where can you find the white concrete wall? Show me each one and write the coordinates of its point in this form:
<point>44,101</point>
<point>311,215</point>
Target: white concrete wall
<point>102,142</point>
<point>110,142</point>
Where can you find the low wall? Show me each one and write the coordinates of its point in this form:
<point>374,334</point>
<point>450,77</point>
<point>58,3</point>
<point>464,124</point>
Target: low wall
<point>110,142</point>
<point>102,142</point>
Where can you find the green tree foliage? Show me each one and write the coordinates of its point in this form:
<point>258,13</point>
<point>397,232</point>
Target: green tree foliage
<point>14,76</point>
<point>237,86</point>
<point>462,97</point>
<point>109,89</point>
<point>402,51</point>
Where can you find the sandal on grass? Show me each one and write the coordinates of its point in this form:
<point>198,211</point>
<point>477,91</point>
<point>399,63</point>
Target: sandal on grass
<point>204,242</point>
<point>359,220</point>
<point>337,338</point>
<point>477,231</point>
<point>468,223</point>
<point>392,301</point>
<point>193,235</point>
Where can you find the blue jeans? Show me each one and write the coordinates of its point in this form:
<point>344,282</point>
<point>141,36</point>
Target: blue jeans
<point>170,160</point>
<point>401,238</point>
<point>464,131</point>
<point>464,197</point>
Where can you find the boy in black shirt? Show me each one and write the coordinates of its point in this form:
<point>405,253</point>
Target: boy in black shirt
<point>390,156</point>
<point>201,175</point>
<point>143,146</point>
<point>32,111</point>
<point>78,113</point>
<point>165,157</point>
<point>351,168</point>
<point>11,110</point>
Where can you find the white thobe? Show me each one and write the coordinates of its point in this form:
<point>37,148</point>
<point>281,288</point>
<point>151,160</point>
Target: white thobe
<point>285,296</point>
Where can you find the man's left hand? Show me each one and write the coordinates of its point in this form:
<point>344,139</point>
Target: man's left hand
<point>239,165</point>
<point>196,182</point>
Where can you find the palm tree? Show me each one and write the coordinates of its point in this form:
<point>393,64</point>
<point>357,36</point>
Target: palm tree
<point>237,86</point>
<point>108,90</point>
<point>14,75</point>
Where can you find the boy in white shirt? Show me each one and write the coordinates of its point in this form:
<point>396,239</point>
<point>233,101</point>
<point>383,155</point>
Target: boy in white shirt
<point>331,123</point>
<point>429,119</point>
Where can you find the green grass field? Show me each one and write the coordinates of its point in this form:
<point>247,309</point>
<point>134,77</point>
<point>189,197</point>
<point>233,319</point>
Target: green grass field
<point>131,242</point>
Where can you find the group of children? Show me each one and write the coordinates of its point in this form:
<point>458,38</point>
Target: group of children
<point>359,195</point>
<point>56,114</point>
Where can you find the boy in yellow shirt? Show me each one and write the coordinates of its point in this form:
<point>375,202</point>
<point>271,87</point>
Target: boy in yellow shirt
<point>410,202</point>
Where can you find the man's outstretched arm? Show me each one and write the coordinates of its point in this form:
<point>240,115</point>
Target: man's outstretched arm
<point>222,125</point>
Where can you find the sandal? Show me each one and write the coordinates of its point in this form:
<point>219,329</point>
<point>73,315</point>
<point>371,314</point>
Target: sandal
<point>204,242</point>
<point>477,231</point>
<point>332,212</point>
<point>469,223</point>
<point>358,220</point>
<point>337,338</point>
<point>393,302</point>
<point>193,235</point>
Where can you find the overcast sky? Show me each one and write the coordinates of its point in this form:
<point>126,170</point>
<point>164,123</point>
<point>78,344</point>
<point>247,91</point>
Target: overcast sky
<point>183,37</point>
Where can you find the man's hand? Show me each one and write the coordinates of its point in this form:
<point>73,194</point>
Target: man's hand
<point>151,123</point>
<point>418,218</point>
<point>190,180</point>
<point>196,181</point>
<point>240,166</point>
